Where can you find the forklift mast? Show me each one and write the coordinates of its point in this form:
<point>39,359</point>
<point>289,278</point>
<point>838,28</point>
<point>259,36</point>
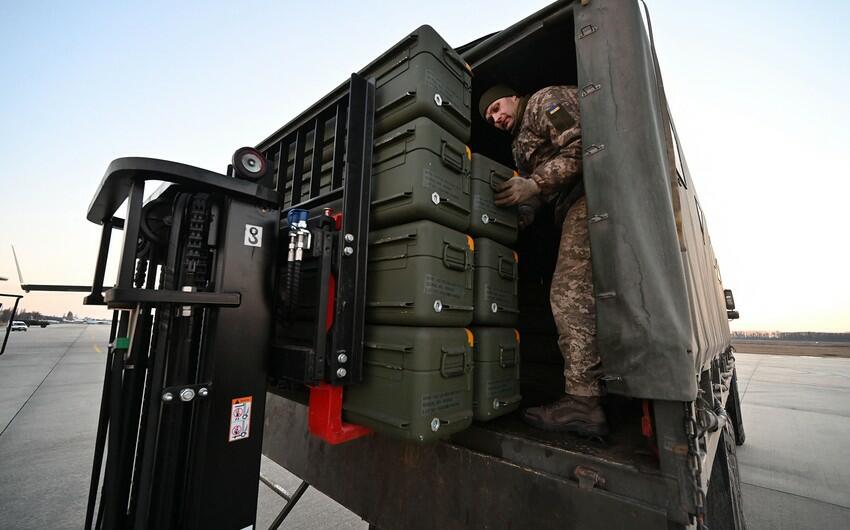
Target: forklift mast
<point>208,274</point>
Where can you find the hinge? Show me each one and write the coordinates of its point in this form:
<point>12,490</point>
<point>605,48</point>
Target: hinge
<point>588,478</point>
<point>590,89</point>
<point>590,29</point>
<point>593,149</point>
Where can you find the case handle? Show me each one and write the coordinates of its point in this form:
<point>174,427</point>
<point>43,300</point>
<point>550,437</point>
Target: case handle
<point>501,178</point>
<point>452,56</point>
<point>455,369</point>
<point>452,262</point>
<point>504,361</point>
<point>451,156</point>
<point>509,272</point>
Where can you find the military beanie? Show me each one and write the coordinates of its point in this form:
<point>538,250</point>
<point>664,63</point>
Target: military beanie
<point>492,94</point>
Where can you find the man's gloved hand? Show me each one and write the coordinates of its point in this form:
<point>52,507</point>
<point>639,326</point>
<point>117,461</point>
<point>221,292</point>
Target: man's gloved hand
<point>516,190</point>
<point>527,211</point>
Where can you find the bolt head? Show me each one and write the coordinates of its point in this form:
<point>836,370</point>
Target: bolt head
<point>349,238</point>
<point>187,394</point>
<point>342,358</point>
<point>203,392</point>
<point>168,397</point>
<point>438,100</point>
<point>348,251</point>
<point>435,424</point>
<point>341,372</point>
<point>438,306</point>
<point>494,307</point>
<point>485,218</point>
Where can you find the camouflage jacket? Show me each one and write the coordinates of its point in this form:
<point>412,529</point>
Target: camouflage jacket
<point>547,142</point>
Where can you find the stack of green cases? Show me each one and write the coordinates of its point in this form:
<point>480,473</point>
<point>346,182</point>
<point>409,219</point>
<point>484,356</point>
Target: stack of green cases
<point>417,382</point>
<point>486,219</point>
<point>419,274</point>
<point>417,358</point>
<point>420,171</point>
<point>496,354</point>
<point>496,284</point>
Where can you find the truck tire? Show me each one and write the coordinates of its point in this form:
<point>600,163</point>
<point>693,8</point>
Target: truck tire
<point>733,409</point>
<point>724,506</point>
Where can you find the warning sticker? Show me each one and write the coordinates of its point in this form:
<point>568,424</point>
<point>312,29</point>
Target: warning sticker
<point>240,419</point>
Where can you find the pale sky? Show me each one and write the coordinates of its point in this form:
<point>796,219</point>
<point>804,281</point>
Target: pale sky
<point>758,91</point>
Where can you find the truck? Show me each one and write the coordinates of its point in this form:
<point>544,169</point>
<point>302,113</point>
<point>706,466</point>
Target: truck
<point>218,273</point>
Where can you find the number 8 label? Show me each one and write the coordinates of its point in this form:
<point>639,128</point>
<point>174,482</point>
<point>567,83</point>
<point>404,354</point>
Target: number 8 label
<point>253,236</point>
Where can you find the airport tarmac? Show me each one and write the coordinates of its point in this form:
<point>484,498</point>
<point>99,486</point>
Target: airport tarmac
<point>795,465</point>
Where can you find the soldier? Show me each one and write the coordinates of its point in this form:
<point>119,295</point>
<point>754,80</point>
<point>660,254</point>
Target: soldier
<point>547,151</point>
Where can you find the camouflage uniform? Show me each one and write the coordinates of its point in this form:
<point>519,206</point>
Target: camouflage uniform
<point>547,148</point>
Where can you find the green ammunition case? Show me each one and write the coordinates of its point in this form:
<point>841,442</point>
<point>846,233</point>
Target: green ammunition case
<point>496,291</point>
<point>417,382</point>
<point>487,219</point>
<point>419,274</point>
<point>421,76</point>
<point>497,384</point>
<point>420,171</point>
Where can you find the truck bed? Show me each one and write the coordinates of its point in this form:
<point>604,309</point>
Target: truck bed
<point>499,474</point>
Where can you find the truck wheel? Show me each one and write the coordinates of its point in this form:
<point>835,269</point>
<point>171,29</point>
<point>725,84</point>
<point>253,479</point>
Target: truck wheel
<point>724,506</point>
<point>733,409</point>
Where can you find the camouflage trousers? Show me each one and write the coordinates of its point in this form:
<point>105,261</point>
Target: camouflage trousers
<point>574,307</point>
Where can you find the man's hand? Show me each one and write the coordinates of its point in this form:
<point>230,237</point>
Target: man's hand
<point>516,190</point>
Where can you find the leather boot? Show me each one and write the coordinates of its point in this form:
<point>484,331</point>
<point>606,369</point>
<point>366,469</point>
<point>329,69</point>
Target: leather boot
<point>577,414</point>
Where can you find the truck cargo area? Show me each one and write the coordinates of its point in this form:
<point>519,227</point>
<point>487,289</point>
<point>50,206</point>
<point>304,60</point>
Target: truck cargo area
<point>530,58</point>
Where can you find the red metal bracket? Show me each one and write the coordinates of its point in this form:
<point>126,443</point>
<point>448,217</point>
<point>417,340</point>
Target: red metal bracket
<point>324,417</point>
<point>646,421</point>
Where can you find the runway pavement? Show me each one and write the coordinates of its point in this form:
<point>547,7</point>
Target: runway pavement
<point>795,465</point>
